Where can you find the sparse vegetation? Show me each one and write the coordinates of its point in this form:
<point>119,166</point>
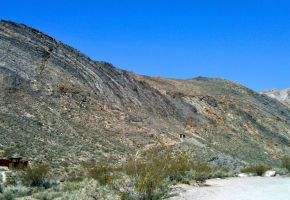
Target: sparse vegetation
<point>36,176</point>
<point>257,170</point>
<point>286,163</point>
<point>159,168</point>
<point>150,175</point>
<point>102,171</point>
<point>60,107</point>
<point>145,177</point>
<point>12,192</point>
<point>10,181</point>
<point>88,189</point>
<point>69,88</point>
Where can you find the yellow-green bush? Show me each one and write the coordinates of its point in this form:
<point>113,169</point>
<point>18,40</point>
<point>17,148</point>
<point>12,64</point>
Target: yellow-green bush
<point>258,170</point>
<point>201,172</point>
<point>35,176</point>
<point>150,173</point>
<point>102,171</point>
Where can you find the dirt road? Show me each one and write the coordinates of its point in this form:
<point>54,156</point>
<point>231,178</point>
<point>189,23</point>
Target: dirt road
<point>248,188</point>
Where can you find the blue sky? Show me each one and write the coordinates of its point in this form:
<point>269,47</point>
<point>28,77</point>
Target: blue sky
<point>244,41</point>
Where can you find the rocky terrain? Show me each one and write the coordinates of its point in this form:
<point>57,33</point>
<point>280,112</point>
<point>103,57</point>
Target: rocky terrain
<point>59,106</point>
<point>281,95</point>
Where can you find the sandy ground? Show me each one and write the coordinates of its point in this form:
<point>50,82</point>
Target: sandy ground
<point>248,188</point>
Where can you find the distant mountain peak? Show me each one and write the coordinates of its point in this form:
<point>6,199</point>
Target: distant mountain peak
<point>281,95</point>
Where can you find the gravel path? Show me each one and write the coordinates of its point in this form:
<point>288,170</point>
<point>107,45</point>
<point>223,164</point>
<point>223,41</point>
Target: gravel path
<point>249,188</point>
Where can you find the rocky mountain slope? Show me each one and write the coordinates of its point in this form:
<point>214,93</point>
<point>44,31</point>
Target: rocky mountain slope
<point>59,106</point>
<point>281,95</point>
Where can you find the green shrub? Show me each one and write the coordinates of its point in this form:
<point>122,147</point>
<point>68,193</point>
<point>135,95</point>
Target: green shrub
<point>89,189</point>
<point>221,173</point>
<point>35,176</point>
<point>125,196</point>
<point>7,196</point>
<point>149,176</point>
<point>12,192</point>
<point>47,195</point>
<point>258,170</point>
<point>201,172</point>
<point>151,173</point>
<point>286,163</point>
<point>11,181</point>
<point>102,171</point>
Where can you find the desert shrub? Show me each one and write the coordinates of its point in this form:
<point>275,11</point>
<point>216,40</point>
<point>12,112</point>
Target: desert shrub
<point>36,176</point>
<point>11,180</point>
<point>7,196</point>
<point>69,88</point>
<point>12,192</point>
<point>7,152</point>
<point>49,184</point>
<point>201,172</point>
<point>258,170</point>
<point>47,195</point>
<point>286,163</point>
<point>102,171</point>
<point>281,170</point>
<point>221,173</point>
<point>125,196</point>
<point>70,186</point>
<point>75,178</point>
<point>88,189</point>
<point>150,174</point>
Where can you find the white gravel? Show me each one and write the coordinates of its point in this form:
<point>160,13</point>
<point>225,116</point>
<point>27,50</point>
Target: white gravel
<point>247,188</point>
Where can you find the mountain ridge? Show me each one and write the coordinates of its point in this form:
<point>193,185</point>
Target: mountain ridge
<point>59,106</point>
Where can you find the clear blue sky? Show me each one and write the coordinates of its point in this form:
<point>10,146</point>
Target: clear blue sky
<point>247,41</point>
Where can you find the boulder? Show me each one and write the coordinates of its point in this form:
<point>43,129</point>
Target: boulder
<point>270,173</point>
<point>243,175</point>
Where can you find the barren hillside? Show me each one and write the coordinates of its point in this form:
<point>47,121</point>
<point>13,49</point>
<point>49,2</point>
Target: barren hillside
<point>59,106</point>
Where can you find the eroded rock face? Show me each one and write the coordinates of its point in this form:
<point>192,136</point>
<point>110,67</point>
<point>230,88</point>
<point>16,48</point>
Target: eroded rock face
<point>59,106</point>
